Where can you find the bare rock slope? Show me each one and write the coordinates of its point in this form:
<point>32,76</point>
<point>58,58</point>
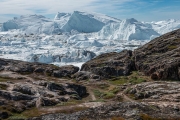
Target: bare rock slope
<point>159,59</point>
<point>24,86</point>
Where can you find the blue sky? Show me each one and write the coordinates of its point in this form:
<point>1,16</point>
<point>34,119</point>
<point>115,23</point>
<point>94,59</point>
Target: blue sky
<point>143,10</point>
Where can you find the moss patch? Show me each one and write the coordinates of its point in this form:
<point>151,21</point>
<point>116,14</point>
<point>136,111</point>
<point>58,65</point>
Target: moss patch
<point>3,86</point>
<point>134,78</point>
<point>172,47</point>
<point>17,117</point>
<point>117,118</point>
<point>104,94</point>
<point>5,79</point>
<point>147,117</point>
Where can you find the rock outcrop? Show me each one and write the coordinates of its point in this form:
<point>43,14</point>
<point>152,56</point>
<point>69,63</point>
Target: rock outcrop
<point>26,85</point>
<point>111,64</point>
<point>117,111</point>
<point>157,92</point>
<point>39,93</point>
<point>39,68</point>
<point>159,59</point>
<point>84,75</point>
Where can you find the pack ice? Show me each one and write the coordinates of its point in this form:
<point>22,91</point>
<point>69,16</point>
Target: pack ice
<point>74,38</point>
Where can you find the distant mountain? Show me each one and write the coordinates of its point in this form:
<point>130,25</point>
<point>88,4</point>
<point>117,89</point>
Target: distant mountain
<point>32,24</point>
<point>128,29</point>
<point>166,26</point>
<point>100,26</point>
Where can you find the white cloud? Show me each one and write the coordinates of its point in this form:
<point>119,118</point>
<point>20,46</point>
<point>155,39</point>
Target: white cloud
<point>116,8</point>
<point>50,6</point>
<point>44,7</point>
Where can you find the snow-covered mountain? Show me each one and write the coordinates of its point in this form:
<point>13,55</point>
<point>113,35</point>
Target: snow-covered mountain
<point>129,29</point>
<point>102,26</point>
<point>74,37</point>
<point>165,26</point>
<point>83,23</point>
<point>32,24</point>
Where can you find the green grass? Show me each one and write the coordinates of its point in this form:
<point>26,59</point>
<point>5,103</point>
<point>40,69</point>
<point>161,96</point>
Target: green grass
<point>33,112</point>
<point>5,79</point>
<point>177,40</point>
<point>118,82</point>
<point>134,78</point>
<point>128,90</point>
<point>147,117</point>
<point>98,100</point>
<point>70,102</point>
<point>70,111</point>
<point>172,47</point>
<point>54,66</point>
<point>103,86</point>
<point>102,65</point>
<point>17,117</point>
<point>104,94</point>
<point>3,86</point>
<point>108,95</point>
<point>115,90</point>
<point>117,118</point>
<point>124,81</point>
<point>97,93</point>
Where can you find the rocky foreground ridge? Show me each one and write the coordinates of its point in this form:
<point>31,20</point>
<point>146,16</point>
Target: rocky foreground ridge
<point>127,85</point>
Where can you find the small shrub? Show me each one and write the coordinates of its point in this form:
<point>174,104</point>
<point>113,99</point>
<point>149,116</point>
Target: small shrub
<point>117,118</point>
<point>72,110</point>
<point>3,86</point>
<point>103,86</point>
<point>128,90</point>
<point>177,40</point>
<point>115,90</point>
<point>118,82</point>
<point>147,117</point>
<point>5,79</point>
<point>108,95</point>
<point>104,95</point>
<point>137,80</point>
<point>17,117</point>
<point>98,100</point>
<point>172,47</point>
<point>97,93</point>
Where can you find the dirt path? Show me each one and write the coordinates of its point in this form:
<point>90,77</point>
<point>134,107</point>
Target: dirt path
<point>125,97</point>
<point>70,107</point>
<point>91,94</point>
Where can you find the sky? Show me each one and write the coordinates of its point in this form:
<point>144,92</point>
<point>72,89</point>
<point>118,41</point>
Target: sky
<point>142,10</point>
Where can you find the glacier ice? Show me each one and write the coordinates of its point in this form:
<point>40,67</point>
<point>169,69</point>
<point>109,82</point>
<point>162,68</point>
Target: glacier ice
<point>74,38</point>
<point>83,23</point>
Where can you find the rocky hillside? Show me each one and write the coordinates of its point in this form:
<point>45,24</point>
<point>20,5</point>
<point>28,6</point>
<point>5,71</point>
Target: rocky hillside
<point>111,64</point>
<point>159,59</point>
<point>122,111</point>
<point>26,85</point>
<point>112,86</point>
